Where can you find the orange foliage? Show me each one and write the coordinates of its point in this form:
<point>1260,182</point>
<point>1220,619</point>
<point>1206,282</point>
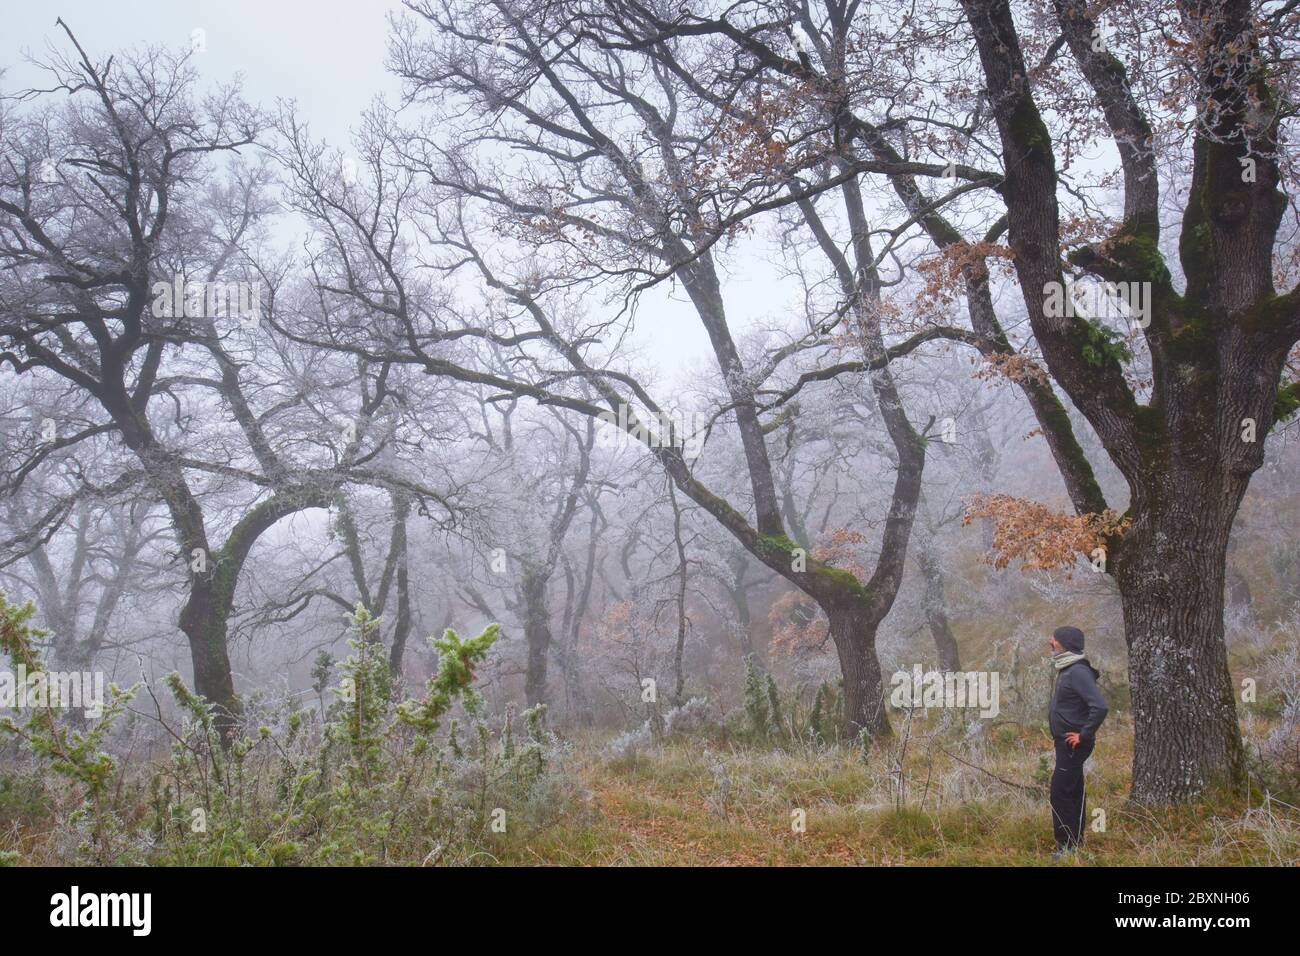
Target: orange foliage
<point>1037,536</point>
<point>762,141</point>
<point>843,550</point>
<point>618,624</point>
<point>797,625</point>
<point>945,274</point>
<point>1015,367</point>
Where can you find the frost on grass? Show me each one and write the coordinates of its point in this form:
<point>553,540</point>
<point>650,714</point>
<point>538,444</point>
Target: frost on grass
<point>691,719</point>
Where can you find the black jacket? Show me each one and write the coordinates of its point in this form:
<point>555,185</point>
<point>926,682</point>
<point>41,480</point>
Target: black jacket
<point>1077,705</point>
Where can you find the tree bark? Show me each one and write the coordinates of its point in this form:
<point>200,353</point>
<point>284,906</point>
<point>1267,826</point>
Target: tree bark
<point>935,605</point>
<point>402,626</point>
<point>739,592</point>
<point>1217,353</point>
<point>1170,572</point>
<point>537,631</point>
<point>679,649</point>
<point>204,621</point>
<point>853,630</point>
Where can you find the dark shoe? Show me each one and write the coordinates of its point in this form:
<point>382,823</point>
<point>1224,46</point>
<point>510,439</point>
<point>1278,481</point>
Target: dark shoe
<point>1062,852</point>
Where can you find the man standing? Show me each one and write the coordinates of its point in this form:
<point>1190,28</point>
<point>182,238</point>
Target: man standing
<point>1076,711</point>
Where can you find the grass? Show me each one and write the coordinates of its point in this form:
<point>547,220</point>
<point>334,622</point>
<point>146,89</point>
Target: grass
<point>680,805</point>
<point>975,801</point>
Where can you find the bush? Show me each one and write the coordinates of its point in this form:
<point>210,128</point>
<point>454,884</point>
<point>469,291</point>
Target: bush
<point>377,780</point>
<point>73,754</point>
<point>691,721</point>
<point>23,798</point>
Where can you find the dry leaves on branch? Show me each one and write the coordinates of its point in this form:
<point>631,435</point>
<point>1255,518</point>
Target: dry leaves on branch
<point>1037,536</point>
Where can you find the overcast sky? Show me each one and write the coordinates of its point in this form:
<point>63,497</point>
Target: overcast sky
<point>326,54</point>
<point>329,56</point>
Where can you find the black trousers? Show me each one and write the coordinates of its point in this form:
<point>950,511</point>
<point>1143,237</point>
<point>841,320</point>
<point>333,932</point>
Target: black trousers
<point>1068,802</point>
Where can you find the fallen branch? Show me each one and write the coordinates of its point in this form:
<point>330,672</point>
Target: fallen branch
<point>1034,788</point>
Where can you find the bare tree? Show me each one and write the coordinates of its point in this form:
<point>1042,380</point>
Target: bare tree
<point>114,233</point>
<point>1216,349</point>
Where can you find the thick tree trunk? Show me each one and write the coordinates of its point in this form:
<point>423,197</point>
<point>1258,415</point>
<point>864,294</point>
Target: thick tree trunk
<point>853,629</point>
<point>1217,351</point>
<point>1170,572</point>
<point>206,613</point>
<point>204,620</point>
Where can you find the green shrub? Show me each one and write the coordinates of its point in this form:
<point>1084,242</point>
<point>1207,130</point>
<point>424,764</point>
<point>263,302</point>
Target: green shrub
<point>757,707</point>
<point>371,779</point>
<point>72,753</point>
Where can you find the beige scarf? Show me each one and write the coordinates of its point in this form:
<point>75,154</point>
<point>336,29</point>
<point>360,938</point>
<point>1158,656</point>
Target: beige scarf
<point>1065,659</point>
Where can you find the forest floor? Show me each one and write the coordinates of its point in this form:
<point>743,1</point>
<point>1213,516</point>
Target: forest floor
<point>683,805</point>
<point>936,794</point>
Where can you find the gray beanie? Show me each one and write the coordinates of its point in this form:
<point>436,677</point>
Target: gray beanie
<point>1071,638</point>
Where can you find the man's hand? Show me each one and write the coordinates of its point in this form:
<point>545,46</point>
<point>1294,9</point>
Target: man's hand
<point>1072,739</point>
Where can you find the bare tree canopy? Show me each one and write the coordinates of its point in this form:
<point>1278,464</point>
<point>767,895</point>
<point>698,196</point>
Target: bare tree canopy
<point>745,383</point>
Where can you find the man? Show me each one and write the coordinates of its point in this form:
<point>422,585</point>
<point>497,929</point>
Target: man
<point>1076,711</point>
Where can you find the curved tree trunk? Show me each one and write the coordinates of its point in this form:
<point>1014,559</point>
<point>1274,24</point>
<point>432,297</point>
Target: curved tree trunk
<point>205,617</point>
<point>204,620</point>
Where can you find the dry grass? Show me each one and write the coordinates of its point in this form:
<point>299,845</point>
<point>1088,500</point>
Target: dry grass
<point>683,805</point>
<point>972,801</point>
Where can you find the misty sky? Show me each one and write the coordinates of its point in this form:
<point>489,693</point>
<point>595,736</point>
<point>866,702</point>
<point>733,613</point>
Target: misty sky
<point>329,56</point>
